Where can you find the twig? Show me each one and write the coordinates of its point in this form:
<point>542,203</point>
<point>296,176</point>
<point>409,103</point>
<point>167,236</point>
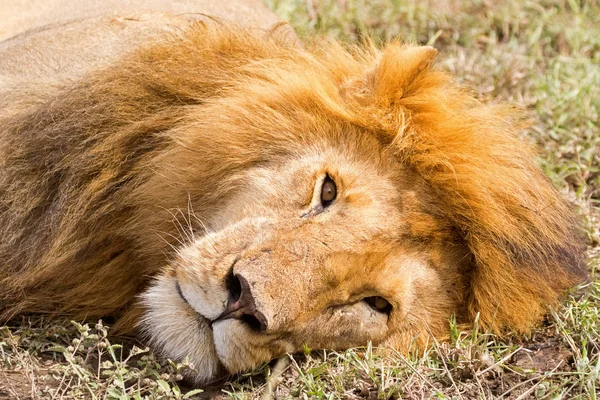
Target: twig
<point>541,378</point>
<point>442,357</point>
<point>502,360</point>
<point>405,361</point>
<point>10,387</point>
<point>282,364</point>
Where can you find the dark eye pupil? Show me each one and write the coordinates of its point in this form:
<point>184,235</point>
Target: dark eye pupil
<point>328,191</point>
<point>379,303</point>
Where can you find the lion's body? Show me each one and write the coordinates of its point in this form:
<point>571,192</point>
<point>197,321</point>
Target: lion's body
<point>193,159</point>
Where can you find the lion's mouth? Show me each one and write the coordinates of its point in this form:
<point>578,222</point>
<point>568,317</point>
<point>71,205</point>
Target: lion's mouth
<point>178,288</point>
<point>207,321</point>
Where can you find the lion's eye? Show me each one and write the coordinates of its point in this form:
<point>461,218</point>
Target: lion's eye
<point>379,304</point>
<point>328,191</point>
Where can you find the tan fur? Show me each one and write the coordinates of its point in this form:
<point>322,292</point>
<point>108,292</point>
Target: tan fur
<point>201,155</point>
<point>20,16</point>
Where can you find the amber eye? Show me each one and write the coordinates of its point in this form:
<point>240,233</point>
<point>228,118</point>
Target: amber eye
<point>379,304</point>
<point>328,191</point>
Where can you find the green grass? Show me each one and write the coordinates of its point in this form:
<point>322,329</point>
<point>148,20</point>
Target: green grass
<point>540,55</point>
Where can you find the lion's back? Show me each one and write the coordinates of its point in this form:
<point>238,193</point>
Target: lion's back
<point>42,39</point>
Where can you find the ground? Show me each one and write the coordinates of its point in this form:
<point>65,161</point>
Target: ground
<point>540,55</point>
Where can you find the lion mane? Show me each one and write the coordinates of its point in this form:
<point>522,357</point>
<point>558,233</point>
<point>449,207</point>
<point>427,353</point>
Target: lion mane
<point>94,172</point>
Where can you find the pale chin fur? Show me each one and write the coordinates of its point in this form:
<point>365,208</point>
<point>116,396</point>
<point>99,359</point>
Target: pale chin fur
<point>179,332</point>
<point>174,328</point>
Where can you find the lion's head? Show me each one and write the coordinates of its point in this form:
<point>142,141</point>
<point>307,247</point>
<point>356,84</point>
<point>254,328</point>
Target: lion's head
<point>322,197</point>
<point>354,195</point>
<point>319,244</point>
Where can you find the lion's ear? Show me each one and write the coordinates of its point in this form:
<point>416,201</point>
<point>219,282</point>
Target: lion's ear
<point>392,76</point>
<point>397,71</point>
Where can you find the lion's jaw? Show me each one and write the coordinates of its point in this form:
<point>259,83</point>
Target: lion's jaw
<point>310,275</point>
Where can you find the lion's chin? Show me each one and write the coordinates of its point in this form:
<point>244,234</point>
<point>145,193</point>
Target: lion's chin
<point>180,333</point>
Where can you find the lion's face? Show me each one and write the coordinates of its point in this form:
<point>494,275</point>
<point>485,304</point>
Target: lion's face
<point>327,249</point>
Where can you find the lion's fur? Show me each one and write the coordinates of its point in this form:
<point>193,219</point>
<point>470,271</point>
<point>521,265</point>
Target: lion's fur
<point>93,172</point>
<point>21,16</point>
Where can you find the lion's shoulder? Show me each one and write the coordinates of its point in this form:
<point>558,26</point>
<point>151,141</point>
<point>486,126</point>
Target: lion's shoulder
<point>70,50</point>
<point>42,39</point>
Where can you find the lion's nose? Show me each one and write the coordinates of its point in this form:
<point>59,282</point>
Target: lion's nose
<point>241,305</point>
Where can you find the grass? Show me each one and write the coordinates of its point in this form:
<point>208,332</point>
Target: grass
<point>541,55</point>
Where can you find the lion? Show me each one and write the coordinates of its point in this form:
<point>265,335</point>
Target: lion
<point>232,196</point>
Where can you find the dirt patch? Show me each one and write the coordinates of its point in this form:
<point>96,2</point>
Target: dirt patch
<point>17,385</point>
<point>553,357</point>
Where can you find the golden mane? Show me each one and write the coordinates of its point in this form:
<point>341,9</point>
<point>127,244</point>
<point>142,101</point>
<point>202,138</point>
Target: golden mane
<point>65,152</point>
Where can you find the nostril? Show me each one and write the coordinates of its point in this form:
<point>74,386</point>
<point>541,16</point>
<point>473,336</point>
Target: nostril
<point>234,287</point>
<point>240,303</point>
<point>256,322</point>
